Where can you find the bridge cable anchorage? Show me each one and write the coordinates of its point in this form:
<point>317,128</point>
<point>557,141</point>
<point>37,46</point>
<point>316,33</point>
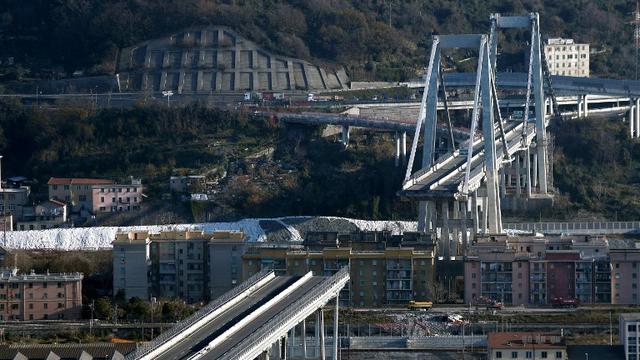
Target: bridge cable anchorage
<point>446,107</point>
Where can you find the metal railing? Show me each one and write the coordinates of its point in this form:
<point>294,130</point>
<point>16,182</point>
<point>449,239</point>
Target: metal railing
<point>146,348</point>
<point>280,320</point>
<point>582,227</point>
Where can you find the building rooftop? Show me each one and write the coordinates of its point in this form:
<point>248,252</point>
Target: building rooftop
<point>78,181</point>
<point>525,340</point>
<point>630,316</point>
<point>145,236</point>
<point>560,41</point>
<point>11,274</point>
<point>67,351</point>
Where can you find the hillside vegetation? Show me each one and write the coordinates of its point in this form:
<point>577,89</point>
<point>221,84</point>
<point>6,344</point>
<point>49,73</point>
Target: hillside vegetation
<point>385,40</point>
<point>306,175</point>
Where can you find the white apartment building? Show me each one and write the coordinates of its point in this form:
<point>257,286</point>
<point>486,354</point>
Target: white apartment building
<point>567,58</point>
<point>629,334</point>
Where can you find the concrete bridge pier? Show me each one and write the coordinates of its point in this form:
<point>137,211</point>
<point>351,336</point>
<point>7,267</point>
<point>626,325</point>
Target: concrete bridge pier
<point>518,176</point>
<point>527,166</point>
<point>534,170</point>
<point>345,136</point>
<point>635,118</point>
<point>398,149</point>
<point>632,119</point>
<point>403,147</point>
<point>583,106</point>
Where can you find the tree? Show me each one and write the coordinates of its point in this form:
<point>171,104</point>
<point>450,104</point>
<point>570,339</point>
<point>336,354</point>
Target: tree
<point>103,309</point>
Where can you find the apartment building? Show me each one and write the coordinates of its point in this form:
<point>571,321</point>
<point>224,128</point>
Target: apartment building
<point>47,215</point>
<point>565,57</point>
<point>77,192</point>
<point>625,266</point>
<point>15,200</point>
<point>526,345</point>
<point>109,198</point>
<point>629,335</point>
<point>385,269</point>
<point>40,296</point>
<point>530,270</point>
<point>192,265</point>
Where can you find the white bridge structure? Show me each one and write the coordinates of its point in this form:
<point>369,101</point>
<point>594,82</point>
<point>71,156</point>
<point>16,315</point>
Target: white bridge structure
<point>460,192</point>
<point>255,320</point>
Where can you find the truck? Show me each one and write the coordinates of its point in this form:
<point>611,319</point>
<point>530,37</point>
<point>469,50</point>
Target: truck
<point>420,305</point>
<point>559,302</point>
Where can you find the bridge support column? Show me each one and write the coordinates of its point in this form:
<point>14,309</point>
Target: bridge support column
<point>345,136</point>
<point>527,165</point>
<point>321,328</point>
<point>444,231</point>
<point>503,182</point>
<point>283,348</point>
<point>465,228</point>
<point>534,178</point>
<point>585,105</point>
<point>579,103</point>
<point>453,243</point>
<point>304,338</point>
<point>426,216</point>
<point>404,147</point>
<point>632,119</point>
<point>336,337</point>
<point>518,176</point>
<point>474,213</point>
<point>637,117</point>
<point>485,214</point>
<point>398,150</point>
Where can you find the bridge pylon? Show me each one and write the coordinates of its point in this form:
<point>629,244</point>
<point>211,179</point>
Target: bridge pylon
<point>454,212</point>
<point>535,84</point>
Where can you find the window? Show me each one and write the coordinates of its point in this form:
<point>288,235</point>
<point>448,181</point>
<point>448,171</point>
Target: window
<point>558,354</point>
<point>60,305</point>
<point>101,199</point>
<point>498,354</point>
<point>15,306</point>
<point>113,199</point>
<point>59,285</point>
<point>30,285</point>
<point>514,354</point>
<point>543,355</point>
<point>44,285</point>
<point>66,187</point>
<point>82,197</point>
<point>46,306</point>
<point>528,355</point>
<point>31,306</point>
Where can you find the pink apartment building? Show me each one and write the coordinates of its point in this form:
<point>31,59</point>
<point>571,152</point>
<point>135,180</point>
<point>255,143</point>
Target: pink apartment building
<point>40,296</point>
<point>76,192</point>
<point>530,270</point>
<point>117,197</point>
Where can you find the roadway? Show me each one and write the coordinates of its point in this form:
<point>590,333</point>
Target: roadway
<point>447,176</point>
<point>262,319</point>
<point>201,337</point>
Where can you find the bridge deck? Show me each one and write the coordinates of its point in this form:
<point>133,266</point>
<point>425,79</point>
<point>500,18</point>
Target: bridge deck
<point>263,318</point>
<point>202,337</point>
<point>446,177</point>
